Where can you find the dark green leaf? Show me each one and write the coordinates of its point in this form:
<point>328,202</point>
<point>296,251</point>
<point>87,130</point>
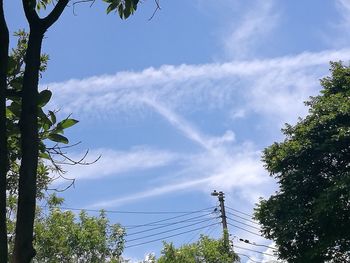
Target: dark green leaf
<point>52,117</point>
<point>15,108</point>
<point>12,65</point>
<point>113,5</point>
<point>16,83</point>
<point>121,11</point>
<point>67,123</point>
<point>44,121</point>
<point>58,138</point>
<point>44,97</point>
<point>44,155</point>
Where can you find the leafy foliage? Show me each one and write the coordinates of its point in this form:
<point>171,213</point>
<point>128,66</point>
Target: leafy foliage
<point>49,129</point>
<point>60,237</point>
<point>124,8</point>
<point>205,250</point>
<point>309,217</point>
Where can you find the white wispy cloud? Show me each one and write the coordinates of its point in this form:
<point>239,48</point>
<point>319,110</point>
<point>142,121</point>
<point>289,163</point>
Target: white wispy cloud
<point>119,163</point>
<point>155,191</point>
<point>209,143</point>
<point>242,173</point>
<point>343,7</point>
<point>337,34</point>
<point>216,167</point>
<point>257,23</point>
<point>272,89</point>
<point>282,82</point>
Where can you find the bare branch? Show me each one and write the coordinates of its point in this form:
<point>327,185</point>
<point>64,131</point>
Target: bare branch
<point>65,188</point>
<point>81,2</point>
<point>155,11</point>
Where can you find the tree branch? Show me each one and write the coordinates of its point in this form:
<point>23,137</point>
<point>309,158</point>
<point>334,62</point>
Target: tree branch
<point>156,9</point>
<point>55,13</point>
<point>29,10</point>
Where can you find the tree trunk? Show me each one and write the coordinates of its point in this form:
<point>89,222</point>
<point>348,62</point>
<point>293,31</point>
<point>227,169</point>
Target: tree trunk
<point>23,250</point>
<point>4,46</point>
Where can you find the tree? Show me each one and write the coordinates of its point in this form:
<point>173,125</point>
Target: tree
<point>50,130</point>
<point>309,216</point>
<point>205,250</point>
<point>29,130</point>
<point>61,237</point>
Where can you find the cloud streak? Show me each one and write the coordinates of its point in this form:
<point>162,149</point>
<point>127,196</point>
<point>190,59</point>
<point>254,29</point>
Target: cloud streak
<point>270,88</point>
<point>120,163</point>
<point>217,167</point>
<point>283,82</point>
<point>256,24</point>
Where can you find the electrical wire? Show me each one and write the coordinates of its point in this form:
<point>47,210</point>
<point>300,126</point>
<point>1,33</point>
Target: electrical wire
<point>167,219</point>
<point>252,250</point>
<point>162,224</point>
<point>130,212</point>
<point>171,224</point>
<point>254,261</point>
<point>244,229</point>
<point>162,238</point>
<point>251,221</point>
<point>163,232</point>
<point>207,232</point>
<point>255,244</point>
<point>243,213</point>
<point>243,223</point>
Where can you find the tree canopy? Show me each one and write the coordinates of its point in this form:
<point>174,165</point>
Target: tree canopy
<point>309,216</point>
<point>205,250</point>
<point>61,237</point>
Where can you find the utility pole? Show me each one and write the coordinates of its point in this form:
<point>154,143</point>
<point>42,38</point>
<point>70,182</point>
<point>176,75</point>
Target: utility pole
<point>221,196</point>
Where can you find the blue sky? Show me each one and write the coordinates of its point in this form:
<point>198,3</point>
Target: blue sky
<point>184,104</point>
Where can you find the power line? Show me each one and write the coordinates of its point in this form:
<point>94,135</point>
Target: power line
<point>158,239</point>
<point>207,232</point>
<point>131,212</point>
<point>243,213</point>
<point>244,229</point>
<point>248,249</point>
<point>164,224</point>
<point>167,219</point>
<point>255,244</point>
<point>248,257</point>
<point>251,221</point>
<point>163,232</point>
<point>171,224</point>
<point>244,223</point>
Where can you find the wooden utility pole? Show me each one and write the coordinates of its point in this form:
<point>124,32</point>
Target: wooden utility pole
<point>221,199</point>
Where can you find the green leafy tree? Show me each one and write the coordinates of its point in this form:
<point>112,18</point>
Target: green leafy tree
<point>29,118</point>
<point>205,250</point>
<point>60,237</point>
<point>309,216</point>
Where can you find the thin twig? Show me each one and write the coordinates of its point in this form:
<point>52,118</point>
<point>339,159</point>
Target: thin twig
<point>155,10</point>
<point>81,2</point>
